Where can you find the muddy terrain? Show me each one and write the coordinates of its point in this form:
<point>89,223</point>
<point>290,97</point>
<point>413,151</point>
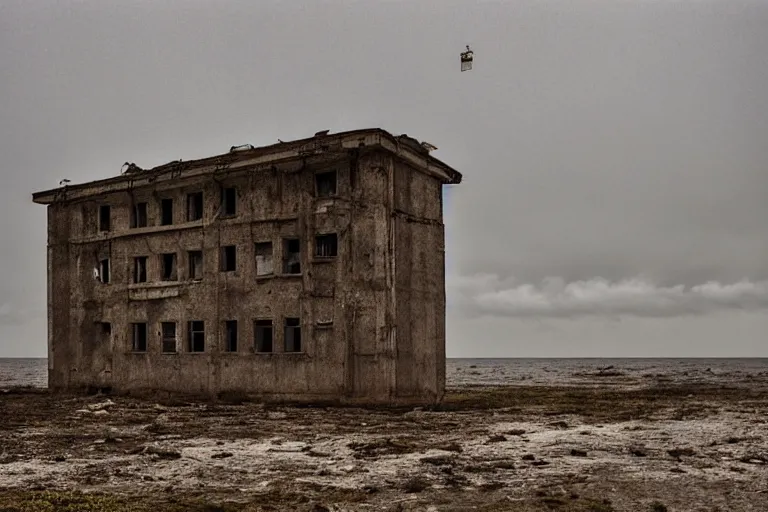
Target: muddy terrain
<point>604,443</point>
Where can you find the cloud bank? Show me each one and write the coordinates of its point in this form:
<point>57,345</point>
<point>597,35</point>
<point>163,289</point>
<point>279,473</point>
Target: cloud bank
<point>488,294</point>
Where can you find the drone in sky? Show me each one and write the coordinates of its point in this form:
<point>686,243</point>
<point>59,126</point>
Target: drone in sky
<point>466,59</point>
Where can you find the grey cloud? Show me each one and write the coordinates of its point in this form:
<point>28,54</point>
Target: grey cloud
<point>487,294</point>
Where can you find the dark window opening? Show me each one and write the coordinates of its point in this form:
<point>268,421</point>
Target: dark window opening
<point>230,332</point>
<point>228,262</point>
<point>196,265</point>
<point>325,184</point>
<point>292,256</point>
<point>105,217</point>
<point>195,206</point>
<point>168,267</point>
<point>292,335</point>
<point>106,330</point>
<point>264,265</point>
<point>104,271</point>
<point>168,333</point>
<point>140,269</point>
<point>229,202</point>
<point>166,213</point>
<point>326,246</point>
<point>197,336</point>
<point>139,337</point>
<point>262,332</point>
<point>139,215</point>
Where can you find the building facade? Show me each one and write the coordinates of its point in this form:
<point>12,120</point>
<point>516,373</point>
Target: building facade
<point>305,270</point>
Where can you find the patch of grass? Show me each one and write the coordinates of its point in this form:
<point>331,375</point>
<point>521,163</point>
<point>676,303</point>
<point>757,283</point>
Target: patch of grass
<point>598,405</point>
<point>381,447</point>
<point>72,501</point>
<point>416,484</point>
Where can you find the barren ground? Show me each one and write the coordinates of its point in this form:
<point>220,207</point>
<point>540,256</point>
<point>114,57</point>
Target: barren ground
<point>604,444</point>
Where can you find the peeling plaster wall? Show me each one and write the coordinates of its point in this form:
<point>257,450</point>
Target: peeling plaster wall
<point>386,342</point>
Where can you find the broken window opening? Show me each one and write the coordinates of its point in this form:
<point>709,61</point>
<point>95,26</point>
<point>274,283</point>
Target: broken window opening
<point>105,217</point>
<point>263,251</point>
<point>168,333</point>
<point>140,269</point>
<point>228,258</point>
<point>197,336</point>
<point>326,246</point>
<point>230,333</point>
<point>292,335</point>
<point>325,184</point>
<point>229,202</point>
<point>166,212</point>
<point>168,267</point>
<point>194,206</point>
<point>292,256</point>
<point>104,271</point>
<point>262,333</point>
<point>196,265</point>
<point>139,337</point>
<point>139,215</point>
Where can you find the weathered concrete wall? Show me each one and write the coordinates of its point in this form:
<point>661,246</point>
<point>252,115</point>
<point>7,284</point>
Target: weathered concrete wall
<point>383,292</point>
<point>420,263</point>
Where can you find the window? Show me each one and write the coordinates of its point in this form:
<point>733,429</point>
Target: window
<point>262,334</point>
<point>139,337</point>
<point>228,258</point>
<point>197,336</point>
<point>168,267</point>
<point>166,212</point>
<point>104,271</point>
<point>230,333</point>
<point>292,335</point>
<point>195,206</point>
<point>168,332</point>
<point>196,265</point>
<point>106,331</point>
<point>229,202</point>
<point>139,215</point>
<point>325,184</point>
<point>105,217</point>
<point>326,246</point>
<point>263,251</point>
<point>291,256</point>
<point>140,269</point>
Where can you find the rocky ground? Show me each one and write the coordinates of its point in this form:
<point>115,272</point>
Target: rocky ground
<point>601,445</point>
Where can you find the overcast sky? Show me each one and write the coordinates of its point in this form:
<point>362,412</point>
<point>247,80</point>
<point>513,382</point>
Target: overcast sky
<point>615,153</point>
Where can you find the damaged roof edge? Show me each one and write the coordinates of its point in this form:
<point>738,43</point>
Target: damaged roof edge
<point>273,153</point>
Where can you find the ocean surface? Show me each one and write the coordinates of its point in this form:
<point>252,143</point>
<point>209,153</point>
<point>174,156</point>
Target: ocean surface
<point>493,372</point>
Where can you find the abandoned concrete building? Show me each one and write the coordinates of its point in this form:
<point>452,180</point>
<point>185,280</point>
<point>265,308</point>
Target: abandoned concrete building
<point>304,270</point>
